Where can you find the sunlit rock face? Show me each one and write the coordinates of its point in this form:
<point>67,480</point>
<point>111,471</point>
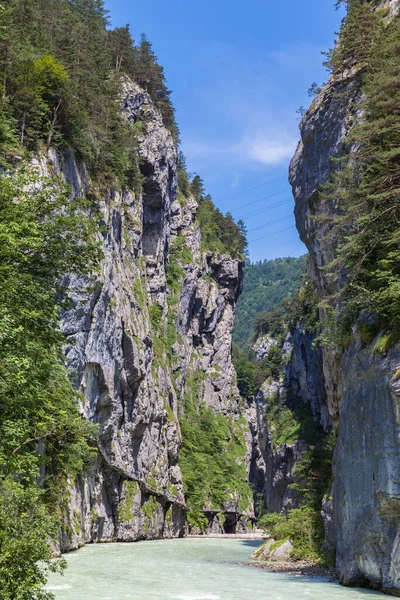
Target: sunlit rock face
<point>130,368</point>
<point>362,393</point>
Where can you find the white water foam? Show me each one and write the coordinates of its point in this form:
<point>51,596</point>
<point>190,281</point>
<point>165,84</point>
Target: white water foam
<point>54,588</point>
<point>196,596</point>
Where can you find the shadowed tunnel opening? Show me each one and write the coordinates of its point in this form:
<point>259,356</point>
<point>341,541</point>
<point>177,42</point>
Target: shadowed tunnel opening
<point>153,211</point>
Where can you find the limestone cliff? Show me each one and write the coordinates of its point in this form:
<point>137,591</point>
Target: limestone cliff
<point>301,388</point>
<point>362,392</point>
<point>160,311</point>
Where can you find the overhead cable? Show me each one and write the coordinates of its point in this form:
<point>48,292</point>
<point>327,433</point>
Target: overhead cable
<point>270,223</point>
<point>271,234</point>
<point>256,187</point>
<point>261,199</point>
<point>267,208</point>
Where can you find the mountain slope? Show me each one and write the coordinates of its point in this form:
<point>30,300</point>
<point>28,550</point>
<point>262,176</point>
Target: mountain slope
<point>266,285</point>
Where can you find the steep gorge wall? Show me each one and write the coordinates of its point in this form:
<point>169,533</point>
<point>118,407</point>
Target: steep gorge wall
<point>160,312</point>
<point>300,389</point>
<point>362,391</point>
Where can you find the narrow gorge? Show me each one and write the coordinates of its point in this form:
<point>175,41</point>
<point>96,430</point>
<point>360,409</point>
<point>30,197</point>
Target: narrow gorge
<point>134,406</point>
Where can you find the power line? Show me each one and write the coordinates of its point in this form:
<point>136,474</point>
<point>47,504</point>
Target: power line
<point>271,234</point>
<point>271,207</point>
<point>270,223</point>
<point>256,187</point>
<point>261,199</point>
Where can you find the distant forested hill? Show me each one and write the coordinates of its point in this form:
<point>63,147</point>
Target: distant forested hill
<point>266,284</point>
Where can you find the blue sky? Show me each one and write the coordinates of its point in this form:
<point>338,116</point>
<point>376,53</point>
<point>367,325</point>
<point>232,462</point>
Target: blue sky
<point>238,72</point>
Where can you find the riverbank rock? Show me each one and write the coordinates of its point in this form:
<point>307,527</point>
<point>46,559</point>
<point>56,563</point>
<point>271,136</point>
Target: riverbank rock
<point>274,551</point>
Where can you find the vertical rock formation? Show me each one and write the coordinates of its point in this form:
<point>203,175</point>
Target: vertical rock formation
<point>362,389</point>
<point>159,312</point>
<point>300,389</point>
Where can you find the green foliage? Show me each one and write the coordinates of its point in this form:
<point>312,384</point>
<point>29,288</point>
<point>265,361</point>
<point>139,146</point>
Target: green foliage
<point>396,375</point>
<point>197,187</point>
<point>273,323</point>
<point>287,425</point>
<point>365,191</point>
<point>183,175</point>
<point>151,507</point>
<point>126,509</point>
<point>386,340</point>
<point>314,90</point>
<point>146,71</point>
<point>219,233</point>
<point>300,526</point>
<point>61,72</point>
<point>179,255</point>
<point>25,553</point>
<point>40,86</point>
<point>359,29</point>
<point>301,308</point>
<point>304,526</point>
<point>266,285</point>
<point>166,333</point>
<point>251,373</point>
<point>156,317</point>
<point>43,235</point>
<point>210,459</point>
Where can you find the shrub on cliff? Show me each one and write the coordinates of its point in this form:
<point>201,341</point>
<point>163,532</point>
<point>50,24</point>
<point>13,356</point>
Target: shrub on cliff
<point>212,445</point>
<point>43,236</point>
<point>219,233</point>
<point>365,190</point>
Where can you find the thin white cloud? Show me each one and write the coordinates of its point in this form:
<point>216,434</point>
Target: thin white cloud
<point>270,151</point>
<point>248,112</point>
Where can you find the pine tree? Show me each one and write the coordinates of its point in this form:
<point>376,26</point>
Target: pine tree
<point>150,76</point>
<point>123,50</point>
<point>366,191</point>
<point>197,187</point>
<point>359,29</point>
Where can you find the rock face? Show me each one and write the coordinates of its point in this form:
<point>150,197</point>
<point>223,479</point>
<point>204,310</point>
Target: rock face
<point>302,386</point>
<point>366,488</point>
<point>159,311</point>
<point>304,376</point>
<point>274,551</point>
<point>362,392</point>
<point>262,346</point>
<point>323,129</point>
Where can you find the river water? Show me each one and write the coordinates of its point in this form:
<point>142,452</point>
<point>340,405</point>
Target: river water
<point>187,569</point>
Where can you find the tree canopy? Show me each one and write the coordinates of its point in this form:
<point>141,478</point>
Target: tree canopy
<point>365,189</point>
<point>266,284</point>
<point>43,439</point>
<point>61,68</point>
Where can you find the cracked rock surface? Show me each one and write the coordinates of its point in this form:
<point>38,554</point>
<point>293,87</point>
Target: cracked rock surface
<point>132,377</point>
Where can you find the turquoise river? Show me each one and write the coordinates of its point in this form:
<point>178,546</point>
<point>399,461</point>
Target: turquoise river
<point>187,569</point>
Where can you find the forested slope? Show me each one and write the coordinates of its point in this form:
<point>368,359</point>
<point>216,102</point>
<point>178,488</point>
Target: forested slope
<point>266,284</point>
